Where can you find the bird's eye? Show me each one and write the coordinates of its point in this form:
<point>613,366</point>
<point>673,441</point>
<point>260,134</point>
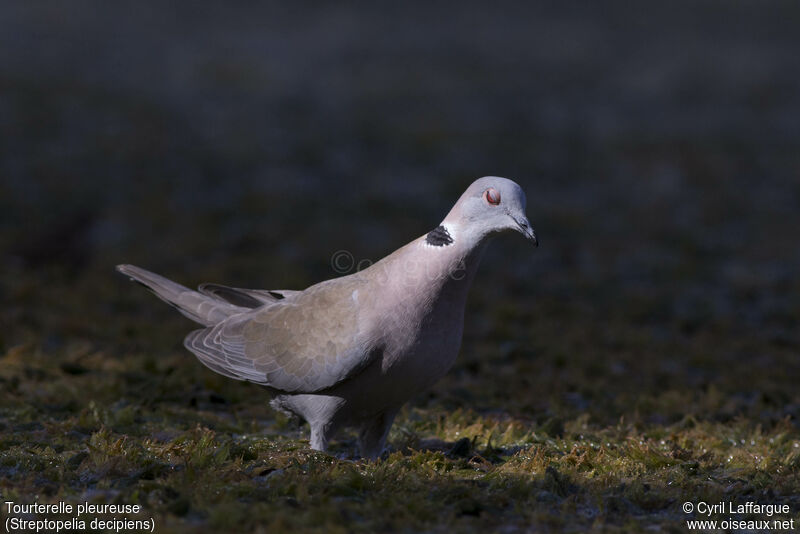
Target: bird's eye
<point>492,196</point>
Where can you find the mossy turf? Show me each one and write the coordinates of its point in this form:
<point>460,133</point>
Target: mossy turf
<point>513,439</point>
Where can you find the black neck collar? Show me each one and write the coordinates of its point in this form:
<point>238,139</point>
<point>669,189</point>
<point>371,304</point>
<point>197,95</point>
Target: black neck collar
<point>439,237</point>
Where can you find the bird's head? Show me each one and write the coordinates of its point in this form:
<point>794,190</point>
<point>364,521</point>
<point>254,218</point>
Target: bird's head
<point>491,205</point>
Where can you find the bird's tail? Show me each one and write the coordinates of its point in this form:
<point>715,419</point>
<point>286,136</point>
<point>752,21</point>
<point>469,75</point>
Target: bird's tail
<point>203,309</point>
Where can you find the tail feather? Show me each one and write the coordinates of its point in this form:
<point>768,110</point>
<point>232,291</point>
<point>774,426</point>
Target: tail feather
<point>200,308</point>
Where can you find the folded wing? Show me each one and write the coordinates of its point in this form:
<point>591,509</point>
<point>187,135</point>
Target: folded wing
<point>306,343</point>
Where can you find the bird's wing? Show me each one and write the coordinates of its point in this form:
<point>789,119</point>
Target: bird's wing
<point>248,298</point>
<point>307,343</point>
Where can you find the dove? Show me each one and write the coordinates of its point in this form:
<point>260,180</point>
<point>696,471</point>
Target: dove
<point>352,350</point>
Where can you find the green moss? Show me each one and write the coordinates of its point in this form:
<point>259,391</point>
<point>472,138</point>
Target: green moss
<point>234,465</point>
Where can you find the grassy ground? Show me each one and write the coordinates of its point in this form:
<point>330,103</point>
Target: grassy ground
<point>201,453</point>
<point>646,355</point>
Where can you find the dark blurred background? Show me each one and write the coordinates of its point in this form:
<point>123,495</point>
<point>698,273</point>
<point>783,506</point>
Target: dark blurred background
<point>246,142</point>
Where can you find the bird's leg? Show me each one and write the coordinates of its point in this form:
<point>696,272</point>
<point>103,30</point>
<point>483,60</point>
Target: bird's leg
<point>321,434</point>
<point>373,433</point>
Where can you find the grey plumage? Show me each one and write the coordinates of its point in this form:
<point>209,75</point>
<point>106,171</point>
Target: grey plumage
<point>352,350</point>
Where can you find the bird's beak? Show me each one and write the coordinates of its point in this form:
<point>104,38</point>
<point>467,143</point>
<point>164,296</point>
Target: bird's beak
<point>525,228</point>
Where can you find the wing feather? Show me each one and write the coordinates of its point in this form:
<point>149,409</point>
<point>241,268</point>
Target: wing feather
<point>307,343</point>
<point>247,298</point>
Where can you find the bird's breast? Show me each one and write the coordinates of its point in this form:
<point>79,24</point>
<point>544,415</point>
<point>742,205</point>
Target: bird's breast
<point>424,343</point>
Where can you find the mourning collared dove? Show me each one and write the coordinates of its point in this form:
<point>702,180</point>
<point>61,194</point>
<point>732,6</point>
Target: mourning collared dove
<point>352,350</point>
